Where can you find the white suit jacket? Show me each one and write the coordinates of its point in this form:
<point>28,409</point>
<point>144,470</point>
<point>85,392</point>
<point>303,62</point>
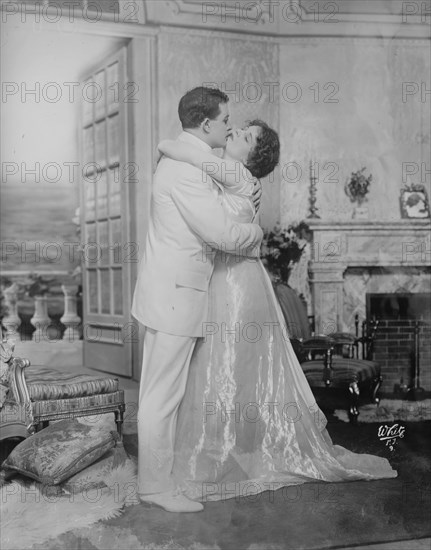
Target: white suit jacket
<point>187,224</point>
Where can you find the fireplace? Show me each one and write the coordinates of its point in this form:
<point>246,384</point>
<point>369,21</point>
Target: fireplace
<point>380,269</point>
<point>403,339</point>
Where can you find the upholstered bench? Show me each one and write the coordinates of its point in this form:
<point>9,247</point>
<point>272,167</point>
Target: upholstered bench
<point>38,395</point>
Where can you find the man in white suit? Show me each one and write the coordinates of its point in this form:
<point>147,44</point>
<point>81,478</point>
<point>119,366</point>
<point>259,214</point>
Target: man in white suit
<point>187,225</point>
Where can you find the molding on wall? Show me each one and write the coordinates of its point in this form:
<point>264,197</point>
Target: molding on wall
<point>367,40</point>
<point>306,41</point>
<point>396,225</point>
<point>344,10</point>
<point>296,17</point>
<point>187,15</point>
<point>218,33</point>
<point>104,27</point>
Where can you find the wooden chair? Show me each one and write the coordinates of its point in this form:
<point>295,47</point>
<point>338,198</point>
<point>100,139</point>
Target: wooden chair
<point>331,364</point>
<point>38,395</point>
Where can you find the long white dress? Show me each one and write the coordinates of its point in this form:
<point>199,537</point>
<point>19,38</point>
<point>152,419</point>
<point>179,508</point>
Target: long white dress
<point>249,421</point>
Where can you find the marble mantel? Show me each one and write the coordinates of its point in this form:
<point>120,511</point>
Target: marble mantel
<point>394,246</point>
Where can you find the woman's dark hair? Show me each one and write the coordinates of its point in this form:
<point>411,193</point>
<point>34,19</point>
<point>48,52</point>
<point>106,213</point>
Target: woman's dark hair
<point>199,104</point>
<point>266,154</point>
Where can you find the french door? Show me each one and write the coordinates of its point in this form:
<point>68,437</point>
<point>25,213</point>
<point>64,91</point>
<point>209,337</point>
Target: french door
<point>105,218</point>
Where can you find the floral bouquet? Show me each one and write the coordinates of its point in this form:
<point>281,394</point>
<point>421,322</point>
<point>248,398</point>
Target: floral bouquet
<point>357,187</point>
<point>282,248</point>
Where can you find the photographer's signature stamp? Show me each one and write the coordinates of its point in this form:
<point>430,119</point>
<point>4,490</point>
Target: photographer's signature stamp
<point>390,434</point>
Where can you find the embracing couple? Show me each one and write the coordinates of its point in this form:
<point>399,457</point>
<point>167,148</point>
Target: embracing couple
<point>223,402</point>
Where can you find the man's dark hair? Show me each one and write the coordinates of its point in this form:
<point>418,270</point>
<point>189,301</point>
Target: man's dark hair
<point>266,154</point>
<point>198,104</point>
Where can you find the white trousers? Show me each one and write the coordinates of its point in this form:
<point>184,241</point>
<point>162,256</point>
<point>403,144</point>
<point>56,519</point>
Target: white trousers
<point>166,361</point>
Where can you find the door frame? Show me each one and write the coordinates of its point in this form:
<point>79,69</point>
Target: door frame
<point>142,123</point>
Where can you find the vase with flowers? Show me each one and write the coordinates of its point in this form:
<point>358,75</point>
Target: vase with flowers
<point>357,188</point>
<point>282,248</point>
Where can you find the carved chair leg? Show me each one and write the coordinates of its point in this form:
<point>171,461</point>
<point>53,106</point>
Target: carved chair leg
<point>119,419</point>
<point>354,401</point>
<point>377,383</point>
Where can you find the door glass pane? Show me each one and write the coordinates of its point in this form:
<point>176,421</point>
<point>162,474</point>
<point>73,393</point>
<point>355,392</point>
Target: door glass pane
<point>102,195</point>
<point>88,147</point>
<point>90,234</point>
<point>103,243</point>
<point>114,192</point>
<point>118,291</point>
<point>113,140</point>
<point>92,290</point>
<point>113,88</point>
<point>117,245</point>
<point>91,248</point>
<point>87,106</point>
<point>105,291</point>
<point>90,203</point>
<point>100,144</point>
<point>99,95</point>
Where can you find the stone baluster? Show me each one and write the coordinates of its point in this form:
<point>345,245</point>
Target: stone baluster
<point>40,319</point>
<point>70,318</point>
<point>11,321</point>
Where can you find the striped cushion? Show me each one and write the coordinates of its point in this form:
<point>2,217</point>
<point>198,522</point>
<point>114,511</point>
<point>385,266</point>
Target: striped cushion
<point>45,384</point>
<point>344,371</point>
<point>93,404</point>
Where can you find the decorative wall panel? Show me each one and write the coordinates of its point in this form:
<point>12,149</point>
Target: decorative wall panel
<point>343,108</point>
<point>244,68</point>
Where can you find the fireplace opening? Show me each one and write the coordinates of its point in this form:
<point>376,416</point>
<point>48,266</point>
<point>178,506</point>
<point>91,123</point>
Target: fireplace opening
<point>399,306</point>
<point>402,343</point>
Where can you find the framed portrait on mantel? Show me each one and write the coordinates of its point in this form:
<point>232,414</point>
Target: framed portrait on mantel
<point>414,202</point>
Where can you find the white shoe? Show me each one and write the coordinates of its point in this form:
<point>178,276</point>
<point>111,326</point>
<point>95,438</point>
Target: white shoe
<point>172,501</point>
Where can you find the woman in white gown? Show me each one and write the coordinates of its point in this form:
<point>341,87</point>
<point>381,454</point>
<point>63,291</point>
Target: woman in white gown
<point>249,421</point>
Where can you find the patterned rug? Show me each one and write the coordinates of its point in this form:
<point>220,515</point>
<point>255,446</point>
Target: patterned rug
<point>390,410</point>
<point>314,516</point>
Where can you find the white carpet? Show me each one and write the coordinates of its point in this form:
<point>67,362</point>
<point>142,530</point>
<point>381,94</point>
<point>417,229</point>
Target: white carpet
<point>30,516</point>
<point>390,410</point>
